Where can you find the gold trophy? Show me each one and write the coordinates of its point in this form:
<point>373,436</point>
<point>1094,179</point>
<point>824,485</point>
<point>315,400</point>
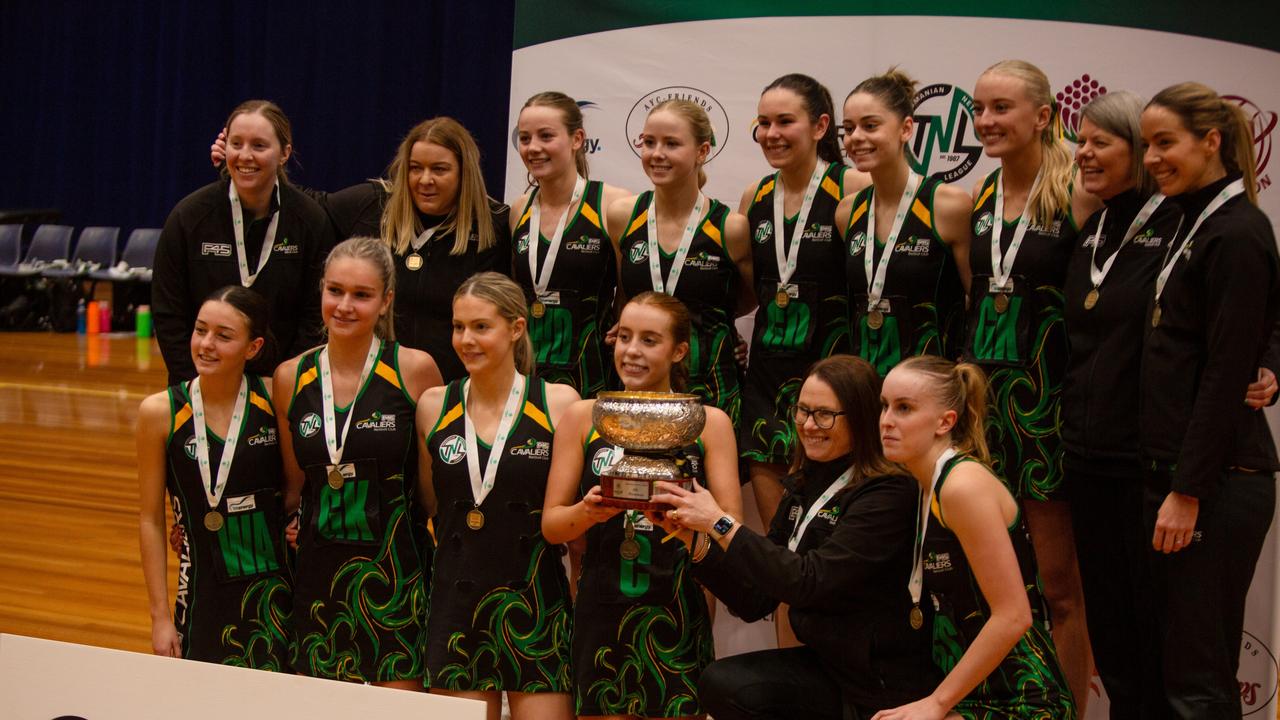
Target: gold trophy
<point>650,428</point>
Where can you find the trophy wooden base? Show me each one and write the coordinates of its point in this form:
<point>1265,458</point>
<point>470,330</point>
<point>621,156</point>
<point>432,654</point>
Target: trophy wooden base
<point>633,494</point>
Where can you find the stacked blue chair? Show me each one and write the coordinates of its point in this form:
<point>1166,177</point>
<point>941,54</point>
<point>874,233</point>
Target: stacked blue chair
<point>10,246</point>
<point>137,259</point>
<point>50,244</point>
<point>95,251</point>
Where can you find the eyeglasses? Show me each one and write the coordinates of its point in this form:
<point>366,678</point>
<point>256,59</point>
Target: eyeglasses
<point>824,419</point>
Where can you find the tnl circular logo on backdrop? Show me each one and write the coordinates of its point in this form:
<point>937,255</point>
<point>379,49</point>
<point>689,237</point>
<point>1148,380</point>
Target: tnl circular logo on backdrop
<point>715,112</point>
<point>1263,122</point>
<point>1257,675</point>
<point>945,142</point>
<point>591,143</point>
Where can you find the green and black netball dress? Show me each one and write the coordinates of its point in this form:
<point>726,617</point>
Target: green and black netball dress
<point>500,616</point>
<point>570,301</point>
<point>233,591</point>
<point>642,633</point>
<point>707,285</point>
<point>918,298</point>
<point>801,318</point>
<point>360,596</point>
<point>1028,684</point>
<point>1016,333</point>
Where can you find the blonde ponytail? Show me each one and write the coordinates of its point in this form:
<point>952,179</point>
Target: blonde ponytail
<point>961,388</point>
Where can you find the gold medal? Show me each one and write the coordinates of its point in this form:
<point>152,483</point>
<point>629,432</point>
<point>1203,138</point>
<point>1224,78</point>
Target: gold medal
<point>1155,317</point>
<point>1001,302</point>
<point>213,521</point>
<point>336,480</point>
<point>917,617</point>
<point>413,261</point>
<point>537,309</point>
<point>782,299</point>
<point>875,319</point>
<point>475,519</point>
<point>629,549</point>
<point>1091,299</point>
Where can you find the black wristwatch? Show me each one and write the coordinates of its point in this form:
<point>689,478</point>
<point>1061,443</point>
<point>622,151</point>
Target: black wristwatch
<point>722,527</point>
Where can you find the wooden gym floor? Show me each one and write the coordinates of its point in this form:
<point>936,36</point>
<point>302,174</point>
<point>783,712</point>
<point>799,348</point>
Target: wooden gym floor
<point>69,567</point>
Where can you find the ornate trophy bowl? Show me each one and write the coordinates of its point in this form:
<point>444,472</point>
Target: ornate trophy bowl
<point>650,428</point>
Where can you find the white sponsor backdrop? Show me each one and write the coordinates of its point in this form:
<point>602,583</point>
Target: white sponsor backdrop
<point>724,64</point>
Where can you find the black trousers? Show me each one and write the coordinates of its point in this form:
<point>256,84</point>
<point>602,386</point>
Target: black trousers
<point>1112,545</point>
<point>1201,594</point>
<point>774,685</point>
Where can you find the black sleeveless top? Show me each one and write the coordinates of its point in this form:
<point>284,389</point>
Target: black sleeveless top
<point>815,324</point>
<point>568,340</point>
<point>1028,682</point>
<point>500,615</point>
<point>922,286</point>
<point>708,286</point>
<point>219,570</point>
<point>357,542</point>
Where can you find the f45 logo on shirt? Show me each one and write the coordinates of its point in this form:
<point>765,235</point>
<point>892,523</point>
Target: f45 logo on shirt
<point>453,450</point>
<point>215,249</point>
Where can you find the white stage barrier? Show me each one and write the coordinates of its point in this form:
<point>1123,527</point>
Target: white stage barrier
<point>47,680</point>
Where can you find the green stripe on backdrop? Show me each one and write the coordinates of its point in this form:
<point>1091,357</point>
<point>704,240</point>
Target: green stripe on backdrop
<point>1239,21</point>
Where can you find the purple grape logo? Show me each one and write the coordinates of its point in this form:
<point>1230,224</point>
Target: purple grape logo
<point>1074,96</point>
<point>1263,123</point>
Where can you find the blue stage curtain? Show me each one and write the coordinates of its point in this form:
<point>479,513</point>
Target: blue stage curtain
<point>107,108</point>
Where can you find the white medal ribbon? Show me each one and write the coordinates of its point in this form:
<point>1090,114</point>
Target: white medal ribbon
<point>268,243</point>
<point>326,390</point>
<point>916,584</point>
<point>482,485</point>
<point>787,261</point>
<point>1002,264</point>
<point>836,486</point>
<point>422,239</point>
<point>216,485</point>
<point>682,250</point>
<point>541,282</point>
<point>1230,191</point>
<point>877,272</point>
<point>1097,275</point>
